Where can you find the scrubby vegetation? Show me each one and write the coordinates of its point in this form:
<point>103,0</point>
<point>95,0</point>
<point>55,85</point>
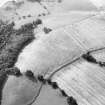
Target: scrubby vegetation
<point>30,75</point>
<point>5,32</point>
<point>12,42</point>
<point>47,30</point>
<point>3,78</point>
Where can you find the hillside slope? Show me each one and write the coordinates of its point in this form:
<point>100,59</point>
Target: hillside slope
<point>52,40</point>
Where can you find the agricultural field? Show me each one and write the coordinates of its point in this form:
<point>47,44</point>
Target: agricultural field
<point>52,53</point>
